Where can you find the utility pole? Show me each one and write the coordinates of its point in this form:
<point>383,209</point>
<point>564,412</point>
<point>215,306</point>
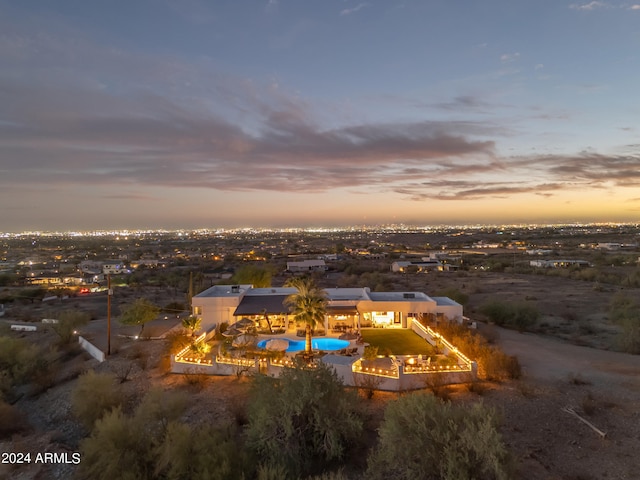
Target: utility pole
<point>109,294</point>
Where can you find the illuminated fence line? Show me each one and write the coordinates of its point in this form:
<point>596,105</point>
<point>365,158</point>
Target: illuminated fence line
<point>429,331</point>
<point>282,362</point>
<point>194,360</point>
<point>183,355</point>
<point>411,369</point>
<point>243,362</point>
<point>379,372</point>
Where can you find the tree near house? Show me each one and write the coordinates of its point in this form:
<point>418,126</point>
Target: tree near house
<point>139,312</point>
<point>192,324</point>
<point>308,305</point>
<point>258,276</point>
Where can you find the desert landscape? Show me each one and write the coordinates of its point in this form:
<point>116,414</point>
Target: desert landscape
<point>566,361</point>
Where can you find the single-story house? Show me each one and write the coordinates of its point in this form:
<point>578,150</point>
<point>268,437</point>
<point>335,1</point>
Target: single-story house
<point>347,308</point>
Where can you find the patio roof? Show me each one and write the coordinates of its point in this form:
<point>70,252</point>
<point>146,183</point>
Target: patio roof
<point>342,310</point>
<point>260,304</point>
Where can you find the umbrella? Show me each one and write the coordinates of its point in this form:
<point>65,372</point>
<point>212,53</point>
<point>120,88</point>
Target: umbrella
<point>277,344</point>
<point>231,332</point>
<point>244,340</point>
<point>244,323</point>
<point>348,336</point>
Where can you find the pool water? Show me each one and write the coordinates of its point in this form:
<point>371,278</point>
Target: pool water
<point>329,344</point>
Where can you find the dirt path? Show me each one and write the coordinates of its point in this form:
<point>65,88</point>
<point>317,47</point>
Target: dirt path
<point>549,359</point>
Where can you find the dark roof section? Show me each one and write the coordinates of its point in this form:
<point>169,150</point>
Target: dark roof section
<point>258,304</point>
<point>342,310</point>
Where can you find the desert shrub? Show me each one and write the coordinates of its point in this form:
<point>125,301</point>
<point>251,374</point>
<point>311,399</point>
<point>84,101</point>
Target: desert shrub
<point>174,307</point>
<point>370,352</point>
<point>520,315</point>
<point>629,339</point>
<point>256,275</point>
<point>271,472</point>
<point>140,355</point>
<point>302,420</point>
<point>202,452</point>
<point>499,366</point>
<point>493,363</point>
<point>423,437</point>
<point>95,394</point>
<point>176,341</point>
<point>12,420</point>
<point>497,311</point>
<point>625,311</point>
<point>367,384</point>
<point>339,475</point>
<point>132,446</point>
<point>68,322</point>
<point>122,370</point>
<point>454,294</point>
<point>20,362</point>
<point>118,447</point>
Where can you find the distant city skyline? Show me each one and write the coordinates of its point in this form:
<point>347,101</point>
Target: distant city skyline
<point>170,114</point>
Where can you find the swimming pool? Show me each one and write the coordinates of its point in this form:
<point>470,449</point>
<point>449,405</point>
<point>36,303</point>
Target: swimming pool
<point>328,344</point>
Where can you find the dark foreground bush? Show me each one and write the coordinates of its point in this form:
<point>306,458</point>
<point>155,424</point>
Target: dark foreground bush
<point>94,395</point>
<point>152,443</point>
<point>303,420</point>
<point>423,437</point>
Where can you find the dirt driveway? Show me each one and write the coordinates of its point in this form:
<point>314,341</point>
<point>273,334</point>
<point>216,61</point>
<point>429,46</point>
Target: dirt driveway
<point>549,359</point>
<point>601,386</point>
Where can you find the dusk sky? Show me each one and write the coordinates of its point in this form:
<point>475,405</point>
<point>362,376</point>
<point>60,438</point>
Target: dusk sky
<point>203,114</point>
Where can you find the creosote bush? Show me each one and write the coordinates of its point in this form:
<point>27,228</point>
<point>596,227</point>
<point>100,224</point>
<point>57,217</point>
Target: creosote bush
<point>423,437</point>
<point>519,315</point>
<point>94,395</point>
<point>20,363</point>
<point>152,443</point>
<point>302,420</point>
<point>493,363</point>
<point>68,322</point>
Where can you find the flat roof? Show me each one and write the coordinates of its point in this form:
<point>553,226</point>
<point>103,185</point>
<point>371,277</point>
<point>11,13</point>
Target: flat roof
<point>224,291</point>
<point>254,292</point>
<point>398,296</point>
<point>445,301</point>
<point>336,294</point>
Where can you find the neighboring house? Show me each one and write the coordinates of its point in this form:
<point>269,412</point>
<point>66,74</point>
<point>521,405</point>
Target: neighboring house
<point>558,263</point>
<point>419,266</point>
<point>113,267</point>
<point>43,279</point>
<point>539,251</point>
<point>90,266</point>
<point>347,308</point>
<point>307,266</point>
<point>147,262</point>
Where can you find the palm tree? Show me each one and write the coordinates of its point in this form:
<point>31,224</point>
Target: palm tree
<point>308,305</point>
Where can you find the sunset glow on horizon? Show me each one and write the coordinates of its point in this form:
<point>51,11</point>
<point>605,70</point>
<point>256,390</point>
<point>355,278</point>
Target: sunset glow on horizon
<point>203,114</point>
